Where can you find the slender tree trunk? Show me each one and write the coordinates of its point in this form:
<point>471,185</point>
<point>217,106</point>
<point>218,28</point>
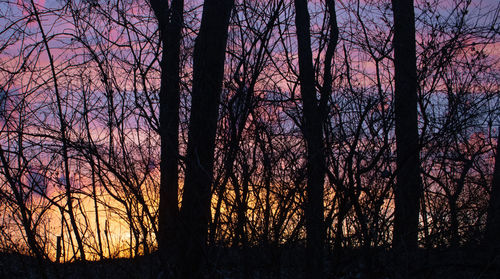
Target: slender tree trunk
<point>408,189</point>
<point>208,69</point>
<point>454,224</point>
<point>228,167</point>
<point>313,134</point>
<point>170,24</point>
<point>93,177</point>
<point>64,138</point>
<point>454,236</point>
<point>25,214</point>
<point>267,168</point>
<point>492,238</point>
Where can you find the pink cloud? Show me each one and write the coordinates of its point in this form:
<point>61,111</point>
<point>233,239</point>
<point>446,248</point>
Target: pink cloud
<point>26,7</point>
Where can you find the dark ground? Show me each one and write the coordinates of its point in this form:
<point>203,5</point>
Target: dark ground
<point>271,263</point>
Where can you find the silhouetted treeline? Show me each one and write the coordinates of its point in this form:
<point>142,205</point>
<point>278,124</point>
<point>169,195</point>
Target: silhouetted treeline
<point>135,126</point>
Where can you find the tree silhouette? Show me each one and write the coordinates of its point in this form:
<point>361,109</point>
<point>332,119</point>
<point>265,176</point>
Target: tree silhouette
<point>208,68</point>
<point>170,21</point>
<point>408,189</point>
<point>249,139</point>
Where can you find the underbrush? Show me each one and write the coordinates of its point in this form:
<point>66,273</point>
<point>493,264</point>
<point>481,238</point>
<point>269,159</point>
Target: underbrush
<point>258,262</point>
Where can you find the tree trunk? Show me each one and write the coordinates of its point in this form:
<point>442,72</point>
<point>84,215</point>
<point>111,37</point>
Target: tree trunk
<point>26,216</point>
<point>454,222</point>
<point>493,219</point>
<point>64,138</point>
<point>170,24</point>
<point>408,188</point>
<point>312,130</point>
<point>208,69</point>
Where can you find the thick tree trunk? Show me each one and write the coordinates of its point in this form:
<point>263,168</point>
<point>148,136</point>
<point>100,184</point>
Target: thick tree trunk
<point>170,24</point>
<point>208,69</point>
<point>408,188</point>
<point>492,238</point>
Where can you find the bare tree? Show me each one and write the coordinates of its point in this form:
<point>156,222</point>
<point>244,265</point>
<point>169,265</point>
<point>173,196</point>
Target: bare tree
<point>408,189</point>
<point>312,128</point>
<point>208,68</point>
<point>170,20</point>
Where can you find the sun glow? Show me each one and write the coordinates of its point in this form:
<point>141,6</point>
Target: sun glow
<point>82,126</point>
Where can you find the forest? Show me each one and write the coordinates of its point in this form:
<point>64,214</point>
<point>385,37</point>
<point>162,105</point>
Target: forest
<point>249,139</point>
